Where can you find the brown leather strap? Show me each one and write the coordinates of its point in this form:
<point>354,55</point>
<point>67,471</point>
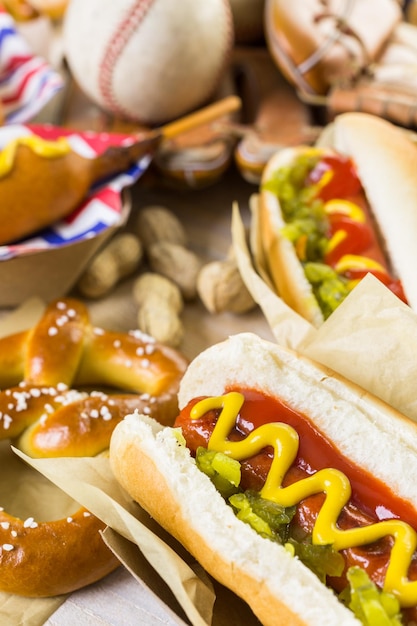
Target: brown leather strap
<point>399,107</point>
<point>341,27</point>
<point>323,42</point>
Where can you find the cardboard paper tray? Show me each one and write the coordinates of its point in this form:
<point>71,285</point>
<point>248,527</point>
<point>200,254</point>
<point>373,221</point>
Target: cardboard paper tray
<point>24,276</point>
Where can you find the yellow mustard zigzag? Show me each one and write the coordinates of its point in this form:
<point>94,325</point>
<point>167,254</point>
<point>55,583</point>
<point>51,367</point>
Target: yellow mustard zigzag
<point>333,483</point>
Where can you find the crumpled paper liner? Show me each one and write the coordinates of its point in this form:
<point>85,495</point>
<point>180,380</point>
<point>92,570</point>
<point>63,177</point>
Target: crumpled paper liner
<point>371,338</point>
<point>91,483</point>
<point>134,561</point>
<point>203,603</point>
<point>29,500</point>
<point>16,611</point>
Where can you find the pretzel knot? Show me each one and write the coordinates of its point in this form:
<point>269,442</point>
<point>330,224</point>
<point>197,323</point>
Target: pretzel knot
<point>48,409</point>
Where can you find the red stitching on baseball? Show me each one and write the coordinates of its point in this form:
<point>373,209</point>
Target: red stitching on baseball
<point>124,29</point>
<point>134,16</point>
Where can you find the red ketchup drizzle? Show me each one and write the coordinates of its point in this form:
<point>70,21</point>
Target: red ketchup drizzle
<point>344,181</point>
<point>344,184</point>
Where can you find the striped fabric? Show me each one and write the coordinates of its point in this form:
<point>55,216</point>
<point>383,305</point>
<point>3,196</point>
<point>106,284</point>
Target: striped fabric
<point>27,82</point>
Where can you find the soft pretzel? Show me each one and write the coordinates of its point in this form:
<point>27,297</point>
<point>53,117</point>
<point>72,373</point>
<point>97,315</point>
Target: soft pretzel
<point>45,416</point>
<point>43,558</point>
<point>64,347</point>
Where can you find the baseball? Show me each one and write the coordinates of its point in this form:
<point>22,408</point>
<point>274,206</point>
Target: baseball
<point>149,61</point>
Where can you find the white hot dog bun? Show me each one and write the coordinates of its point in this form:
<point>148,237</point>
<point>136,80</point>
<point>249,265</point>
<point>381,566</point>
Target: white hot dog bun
<point>385,159</point>
<point>161,475</point>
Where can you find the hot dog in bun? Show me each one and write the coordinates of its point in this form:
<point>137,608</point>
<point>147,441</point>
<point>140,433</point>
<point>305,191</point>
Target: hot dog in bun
<point>291,486</point>
<point>330,214</point>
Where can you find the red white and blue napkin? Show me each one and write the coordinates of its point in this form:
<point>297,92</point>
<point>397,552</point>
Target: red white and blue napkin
<point>27,81</point>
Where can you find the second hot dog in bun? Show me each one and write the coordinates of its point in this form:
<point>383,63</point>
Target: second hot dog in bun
<point>290,485</point>
<point>330,214</point>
